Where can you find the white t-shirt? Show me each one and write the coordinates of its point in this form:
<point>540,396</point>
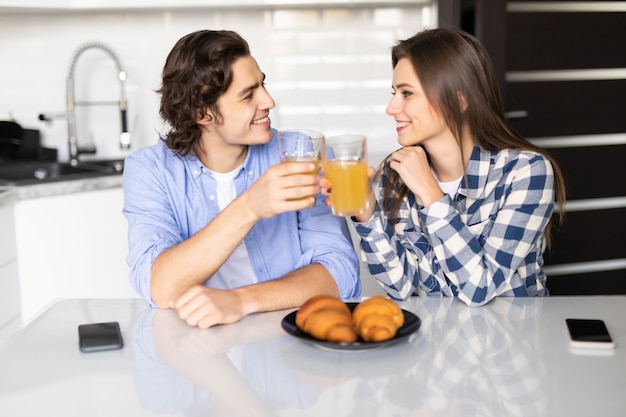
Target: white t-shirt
<point>450,187</point>
<point>237,271</point>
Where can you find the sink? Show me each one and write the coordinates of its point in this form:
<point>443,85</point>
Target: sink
<point>38,172</point>
<point>116,165</point>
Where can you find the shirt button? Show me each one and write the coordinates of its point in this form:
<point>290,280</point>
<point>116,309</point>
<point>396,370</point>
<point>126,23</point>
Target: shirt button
<point>211,197</point>
<point>195,172</point>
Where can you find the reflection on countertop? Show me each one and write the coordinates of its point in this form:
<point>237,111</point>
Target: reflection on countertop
<point>507,358</point>
<point>462,362</point>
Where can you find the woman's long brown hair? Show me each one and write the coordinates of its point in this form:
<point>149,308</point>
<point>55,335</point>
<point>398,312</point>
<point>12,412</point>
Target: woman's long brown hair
<point>451,64</point>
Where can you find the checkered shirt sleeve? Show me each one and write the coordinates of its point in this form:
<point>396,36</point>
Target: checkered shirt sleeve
<point>488,241</point>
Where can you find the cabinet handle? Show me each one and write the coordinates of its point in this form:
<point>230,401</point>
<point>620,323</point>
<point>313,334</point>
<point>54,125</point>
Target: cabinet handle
<point>516,114</point>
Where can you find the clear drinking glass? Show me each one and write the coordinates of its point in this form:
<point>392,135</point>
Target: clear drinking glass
<point>345,165</point>
<point>299,145</point>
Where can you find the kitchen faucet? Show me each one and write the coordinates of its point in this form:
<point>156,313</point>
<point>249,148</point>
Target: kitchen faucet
<point>74,149</point>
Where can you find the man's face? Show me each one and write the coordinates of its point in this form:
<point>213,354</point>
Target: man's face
<point>244,107</point>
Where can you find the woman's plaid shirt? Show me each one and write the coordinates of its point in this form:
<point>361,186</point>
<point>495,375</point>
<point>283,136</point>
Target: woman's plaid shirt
<point>487,242</point>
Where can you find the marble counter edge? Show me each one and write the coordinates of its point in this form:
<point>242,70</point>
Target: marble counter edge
<point>12,193</point>
<point>7,196</point>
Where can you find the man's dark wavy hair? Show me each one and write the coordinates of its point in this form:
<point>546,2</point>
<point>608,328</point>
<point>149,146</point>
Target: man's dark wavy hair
<point>197,71</point>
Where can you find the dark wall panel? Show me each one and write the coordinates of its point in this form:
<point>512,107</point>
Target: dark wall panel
<point>592,283</point>
<point>565,41</point>
<point>568,108</point>
<point>589,236</point>
<point>594,171</point>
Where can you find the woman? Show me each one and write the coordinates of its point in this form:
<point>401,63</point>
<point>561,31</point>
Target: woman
<point>464,206</point>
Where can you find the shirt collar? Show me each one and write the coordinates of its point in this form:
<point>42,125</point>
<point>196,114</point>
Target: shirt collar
<point>195,167</point>
<point>477,172</point>
<point>250,166</point>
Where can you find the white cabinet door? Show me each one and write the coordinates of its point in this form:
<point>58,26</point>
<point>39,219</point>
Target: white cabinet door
<point>9,295</point>
<point>71,246</point>
<point>7,232</point>
<point>9,286</point>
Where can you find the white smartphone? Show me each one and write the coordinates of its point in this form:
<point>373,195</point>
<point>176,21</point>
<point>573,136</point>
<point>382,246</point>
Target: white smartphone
<point>589,333</point>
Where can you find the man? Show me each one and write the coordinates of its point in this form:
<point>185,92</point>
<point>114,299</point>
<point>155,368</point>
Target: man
<point>217,228</point>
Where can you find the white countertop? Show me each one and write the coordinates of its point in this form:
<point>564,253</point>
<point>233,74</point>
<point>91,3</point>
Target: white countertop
<point>508,358</point>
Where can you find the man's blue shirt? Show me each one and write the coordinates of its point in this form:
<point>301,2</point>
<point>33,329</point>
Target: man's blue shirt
<point>169,198</point>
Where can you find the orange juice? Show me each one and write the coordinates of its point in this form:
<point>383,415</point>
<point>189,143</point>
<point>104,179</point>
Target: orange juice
<point>314,161</point>
<point>349,186</point>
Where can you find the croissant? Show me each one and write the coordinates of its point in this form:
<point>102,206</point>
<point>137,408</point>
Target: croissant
<point>377,327</point>
<point>331,325</point>
<point>377,319</point>
<point>327,318</point>
<point>318,302</point>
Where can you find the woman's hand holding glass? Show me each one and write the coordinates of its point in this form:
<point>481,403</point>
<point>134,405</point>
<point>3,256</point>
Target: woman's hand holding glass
<point>347,175</point>
<point>326,187</point>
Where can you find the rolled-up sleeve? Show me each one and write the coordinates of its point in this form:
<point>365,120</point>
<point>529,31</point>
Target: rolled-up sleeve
<point>152,227</point>
<point>325,239</point>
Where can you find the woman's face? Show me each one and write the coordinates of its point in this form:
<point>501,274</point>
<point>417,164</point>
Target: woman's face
<point>417,122</point>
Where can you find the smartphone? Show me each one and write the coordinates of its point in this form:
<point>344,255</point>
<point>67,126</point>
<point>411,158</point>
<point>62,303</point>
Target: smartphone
<point>589,333</point>
<point>96,337</point>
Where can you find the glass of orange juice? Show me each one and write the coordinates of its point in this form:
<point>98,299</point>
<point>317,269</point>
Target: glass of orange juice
<point>345,165</point>
<point>300,145</point>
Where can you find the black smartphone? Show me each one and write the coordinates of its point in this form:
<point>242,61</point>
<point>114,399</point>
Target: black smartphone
<point>589,333</point>
<point>95,337</point>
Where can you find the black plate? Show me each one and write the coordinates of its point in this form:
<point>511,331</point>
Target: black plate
<point>411,324</point>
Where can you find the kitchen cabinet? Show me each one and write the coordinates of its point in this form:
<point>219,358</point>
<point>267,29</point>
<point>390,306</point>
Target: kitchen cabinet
<point>71,246</point>
<point>9,285</point>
